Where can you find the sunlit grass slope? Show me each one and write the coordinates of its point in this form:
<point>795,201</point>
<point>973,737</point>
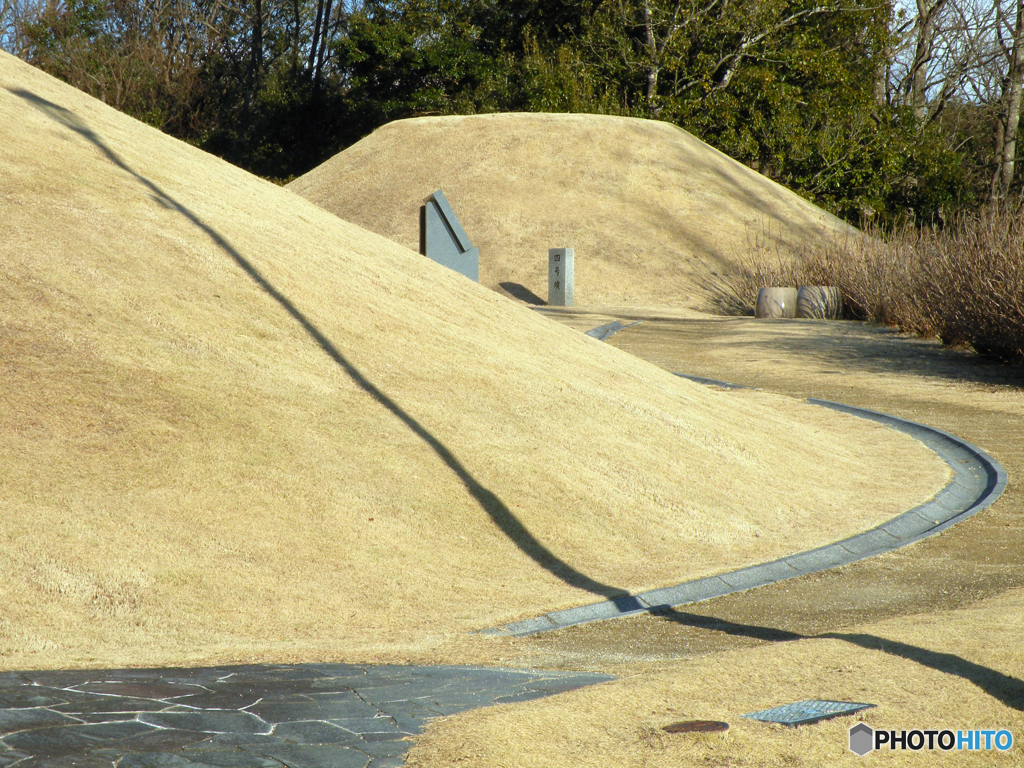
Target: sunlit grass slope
<point>651,210</point>
<point>235,426</point>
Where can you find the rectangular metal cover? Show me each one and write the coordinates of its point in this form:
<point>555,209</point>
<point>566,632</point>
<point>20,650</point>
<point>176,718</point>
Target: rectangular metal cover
<point>803,712</point>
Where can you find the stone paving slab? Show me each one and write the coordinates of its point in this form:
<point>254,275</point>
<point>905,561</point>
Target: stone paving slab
<point>690,592</point>
<point>820,559</point>
<point>978,480</point>
<point>272,716</point>
<point>595,612</point>
<point>758,576</point>
<point>908,527</point>
<point>871,542</point>
<point>605,332</point>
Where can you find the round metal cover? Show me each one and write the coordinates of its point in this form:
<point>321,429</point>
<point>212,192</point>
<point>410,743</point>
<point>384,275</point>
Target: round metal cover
<point>697,726</point>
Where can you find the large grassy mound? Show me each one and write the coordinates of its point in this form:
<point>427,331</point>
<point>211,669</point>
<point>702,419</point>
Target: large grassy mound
<point>651,210</point>
<point>237,426</point>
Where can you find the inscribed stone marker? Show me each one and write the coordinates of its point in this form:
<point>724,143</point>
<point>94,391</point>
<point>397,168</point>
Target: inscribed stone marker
<point>442,238</point>
<point>560,276</point>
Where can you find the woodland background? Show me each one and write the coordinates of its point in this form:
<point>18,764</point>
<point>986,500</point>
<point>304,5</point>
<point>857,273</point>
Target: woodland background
<point>882,113</point>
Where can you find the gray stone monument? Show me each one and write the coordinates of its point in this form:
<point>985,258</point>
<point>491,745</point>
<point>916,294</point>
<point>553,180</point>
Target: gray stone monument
<point>560,276</point>
<point>442,238</point>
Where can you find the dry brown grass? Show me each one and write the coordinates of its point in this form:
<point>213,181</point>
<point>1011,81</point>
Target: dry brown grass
<point>955,668</point>
<point>764,264</point>
<point>237,427</point>
<point>968,283</point>
<point>922,672</point>
<point>650,209</point>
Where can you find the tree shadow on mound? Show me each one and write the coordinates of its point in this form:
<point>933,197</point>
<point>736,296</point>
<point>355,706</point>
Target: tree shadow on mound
<point>486,499</point>
<point>1006,689</point>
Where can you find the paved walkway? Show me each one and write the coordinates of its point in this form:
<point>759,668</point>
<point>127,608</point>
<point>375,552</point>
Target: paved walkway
<point>260,716</point>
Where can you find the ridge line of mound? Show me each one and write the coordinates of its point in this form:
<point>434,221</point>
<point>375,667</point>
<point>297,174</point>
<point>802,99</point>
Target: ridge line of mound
<point>654,214</point>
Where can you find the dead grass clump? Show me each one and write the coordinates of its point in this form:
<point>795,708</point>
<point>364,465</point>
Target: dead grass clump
<point>976,278</point>
<point>881,280</point>
<point>963,284</point>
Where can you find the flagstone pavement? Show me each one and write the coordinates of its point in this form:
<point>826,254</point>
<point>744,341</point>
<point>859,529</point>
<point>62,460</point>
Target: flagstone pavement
<point>259,716</point>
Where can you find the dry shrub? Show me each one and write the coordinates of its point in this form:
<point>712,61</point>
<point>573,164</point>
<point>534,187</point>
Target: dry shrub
<point>963,284</point>
<point>764,265</point>
<point>976,278</point>
<point>880,279</point>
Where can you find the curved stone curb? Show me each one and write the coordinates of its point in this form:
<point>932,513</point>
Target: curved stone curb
<point>978,480</point>
<point>714,382</point>
<point>605,332</point>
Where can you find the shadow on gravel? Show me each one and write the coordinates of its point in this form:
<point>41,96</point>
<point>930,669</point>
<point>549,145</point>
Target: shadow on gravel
<point>1009,690</point>
<point>853,346</point>
<point>486,499</point>
<point>698,621</point>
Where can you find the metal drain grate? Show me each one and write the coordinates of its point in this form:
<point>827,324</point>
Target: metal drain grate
<point>803,712</point>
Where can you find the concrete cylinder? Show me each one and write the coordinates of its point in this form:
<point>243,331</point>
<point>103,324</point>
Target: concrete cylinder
<point>820,302</point>
<point>775,303</point>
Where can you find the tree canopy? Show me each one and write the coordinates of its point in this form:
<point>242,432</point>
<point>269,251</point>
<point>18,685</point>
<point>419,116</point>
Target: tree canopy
<point>865,108</point>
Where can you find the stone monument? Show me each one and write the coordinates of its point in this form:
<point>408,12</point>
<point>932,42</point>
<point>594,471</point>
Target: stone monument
<point>442,238</point>
<point>560,277</point>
